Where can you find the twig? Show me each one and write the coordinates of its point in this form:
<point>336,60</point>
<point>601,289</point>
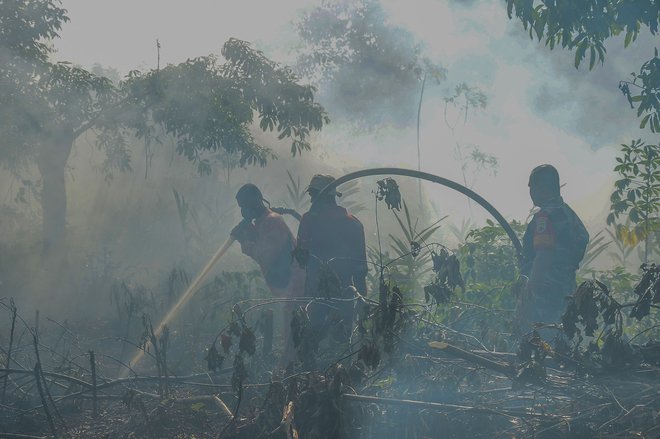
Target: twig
<point>232,420</point>
<point>19,436</point>
<point>447,407</point>
<point>11,342</point>
<point>92,363</point>
<point>35,338</point>
<point>37,376</point>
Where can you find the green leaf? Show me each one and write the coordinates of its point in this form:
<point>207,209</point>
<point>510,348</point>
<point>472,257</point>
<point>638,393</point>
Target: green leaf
<point>634,215</point>
<point>579,52</point>
<point>628,39</point>
<point>592,58</point>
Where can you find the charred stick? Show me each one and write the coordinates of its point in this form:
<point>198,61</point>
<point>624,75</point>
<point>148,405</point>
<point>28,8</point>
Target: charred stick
<point>232,420</point>
<point>469,356</point>
<point>48,374</point>
<point>37,376</point>
<point>35,339</point>
<point>92,363</point>
<point>21,436</point>
<point>11,342</point>
<point>446,407</point>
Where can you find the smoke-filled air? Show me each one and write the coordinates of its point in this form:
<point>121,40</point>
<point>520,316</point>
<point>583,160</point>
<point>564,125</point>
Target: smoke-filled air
<point>330,219</point>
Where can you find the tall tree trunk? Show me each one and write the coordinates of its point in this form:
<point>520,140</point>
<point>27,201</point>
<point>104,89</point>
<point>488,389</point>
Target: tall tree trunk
<point>51,161</point>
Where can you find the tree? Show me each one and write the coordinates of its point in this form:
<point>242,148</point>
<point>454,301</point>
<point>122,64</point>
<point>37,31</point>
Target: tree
<point>637,194</point>
<point>585,25</point>
<point>203,104</point>
<point>370,69</point>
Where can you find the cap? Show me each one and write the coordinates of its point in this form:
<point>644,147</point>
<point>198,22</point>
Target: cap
<point>545,174</point>
<point>319,181</point>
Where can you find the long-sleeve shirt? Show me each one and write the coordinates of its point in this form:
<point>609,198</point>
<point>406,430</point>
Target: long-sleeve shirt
<point>333,236</point>
<point>270,243</point>
<point>556,229</point>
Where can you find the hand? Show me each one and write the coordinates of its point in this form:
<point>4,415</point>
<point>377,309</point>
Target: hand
<point>243,231</point>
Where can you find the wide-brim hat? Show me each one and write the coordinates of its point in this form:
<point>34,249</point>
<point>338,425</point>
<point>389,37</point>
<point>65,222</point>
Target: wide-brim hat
<point>319,181</point>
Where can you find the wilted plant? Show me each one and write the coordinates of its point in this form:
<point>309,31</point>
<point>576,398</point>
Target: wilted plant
<point>411,262</point>
<point>159,346</point>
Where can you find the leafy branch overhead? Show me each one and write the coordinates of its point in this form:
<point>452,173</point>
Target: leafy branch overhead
<point>585,25</point>
<point>208,106</point>
<point>647,85</point>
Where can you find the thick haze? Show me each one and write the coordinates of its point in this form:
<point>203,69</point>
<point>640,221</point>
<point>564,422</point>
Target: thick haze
<point>540,109</point>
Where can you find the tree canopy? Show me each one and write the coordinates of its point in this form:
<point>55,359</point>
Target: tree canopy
<point>203,104</point>
<point>371,69</point>
<point>585,25</point>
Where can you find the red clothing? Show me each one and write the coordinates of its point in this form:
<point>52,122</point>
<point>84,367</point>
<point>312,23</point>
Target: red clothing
<point>333,236</point>
<point>545,236</point>
<point>270,243</point>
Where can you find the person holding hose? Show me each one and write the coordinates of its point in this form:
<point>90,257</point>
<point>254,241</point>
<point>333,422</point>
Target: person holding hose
<point>266,238</point>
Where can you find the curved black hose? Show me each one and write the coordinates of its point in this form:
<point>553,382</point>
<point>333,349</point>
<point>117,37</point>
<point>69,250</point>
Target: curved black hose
<point>435,179</point>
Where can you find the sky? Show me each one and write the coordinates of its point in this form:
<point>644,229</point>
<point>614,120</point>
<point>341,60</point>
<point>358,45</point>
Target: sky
<point>540,109</point>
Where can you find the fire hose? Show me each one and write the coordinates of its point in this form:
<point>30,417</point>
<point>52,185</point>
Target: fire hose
<point>435,179</point>
<point>192,288</point>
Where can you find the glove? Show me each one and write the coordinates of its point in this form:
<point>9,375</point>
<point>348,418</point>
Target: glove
<point>244,231</point>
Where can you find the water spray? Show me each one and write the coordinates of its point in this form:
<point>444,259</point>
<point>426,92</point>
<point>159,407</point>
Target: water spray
<point>192,289</point>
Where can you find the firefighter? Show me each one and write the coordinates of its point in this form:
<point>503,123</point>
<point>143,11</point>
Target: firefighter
<point>336,244</point>
<point>553,246</point>
<point>265,237</point>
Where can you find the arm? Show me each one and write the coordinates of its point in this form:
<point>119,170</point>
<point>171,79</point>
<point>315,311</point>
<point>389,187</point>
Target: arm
<point>246,234</point>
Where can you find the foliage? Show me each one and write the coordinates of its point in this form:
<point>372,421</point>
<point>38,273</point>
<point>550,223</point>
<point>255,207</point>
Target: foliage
<point>488,254</point>
<point>364,60</point>
<point>206,106</point>
<point>209,106</point>
<point>388,190</point>
<point>623,251</point>
<point>593,312</point>
<point>584,25</point>
<point>412,260</point>
<point>595,247</point>
<point>447,277</point>
<point>298,199</point>
<point>470,157</point>
<point>637,193</point>
<point>465,97</point>
<point>647,291</point>
<point>647,82</point>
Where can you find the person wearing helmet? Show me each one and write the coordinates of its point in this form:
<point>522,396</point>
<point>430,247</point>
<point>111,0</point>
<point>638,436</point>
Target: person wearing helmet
<point>335,241</point>
<point>553,247</point>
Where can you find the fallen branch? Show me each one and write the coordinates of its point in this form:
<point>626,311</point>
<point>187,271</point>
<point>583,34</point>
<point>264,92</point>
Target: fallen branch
<point>448,407</point>
<point>474,358</point>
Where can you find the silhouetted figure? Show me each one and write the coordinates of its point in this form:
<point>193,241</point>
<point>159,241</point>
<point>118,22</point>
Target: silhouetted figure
<point>335,241</point>
<point>265,237</point>
<point>553,246</point>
